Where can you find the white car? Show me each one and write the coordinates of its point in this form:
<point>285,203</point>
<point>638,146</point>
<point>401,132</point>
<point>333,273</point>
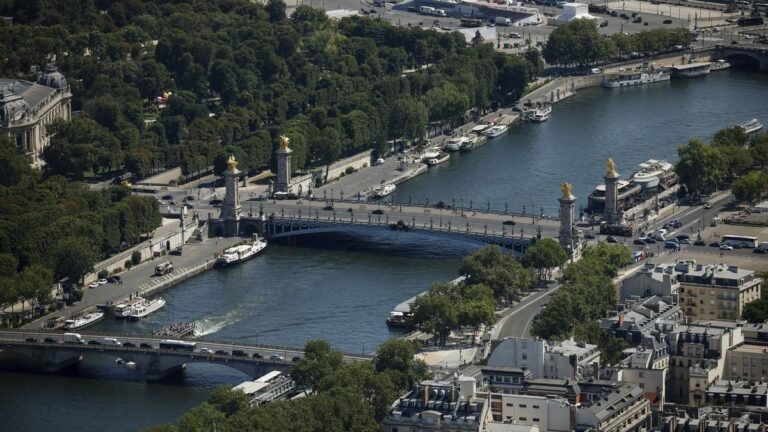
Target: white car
<point>726,247</point>
<point>102,281</point>
<point>94,285</point>
<point>206,350</point>
<point>707,206</point>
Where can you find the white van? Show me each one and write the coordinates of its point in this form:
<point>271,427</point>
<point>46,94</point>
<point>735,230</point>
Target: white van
<point>440,13</point>
<point>110,341</point>
<point>502,21</point>
<point>72,338</point>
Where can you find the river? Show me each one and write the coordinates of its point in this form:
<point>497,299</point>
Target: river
<point>341,288</point>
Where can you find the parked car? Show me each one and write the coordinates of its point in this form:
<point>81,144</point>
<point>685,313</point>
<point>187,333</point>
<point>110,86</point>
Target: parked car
<point>685,241</point>
<point>611,239</point>
<point>714,244</point>
<point>639,242</point>
<point>590,236</point>
<point>94,285</point>
<point>707,205</point>
<point>650,240</point>
<point>102,281</point>
<point>699,243</point>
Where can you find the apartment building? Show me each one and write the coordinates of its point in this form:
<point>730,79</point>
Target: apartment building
<point>560,360</point>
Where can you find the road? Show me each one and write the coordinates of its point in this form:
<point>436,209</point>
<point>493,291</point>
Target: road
<point>517,321</point>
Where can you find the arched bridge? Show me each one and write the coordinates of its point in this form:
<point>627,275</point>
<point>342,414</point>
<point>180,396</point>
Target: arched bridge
<point>50,353</point>
<point>750,53</point>
<point>287,219</point>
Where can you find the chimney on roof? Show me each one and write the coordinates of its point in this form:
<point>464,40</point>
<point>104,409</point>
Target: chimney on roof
<point>621,319</point>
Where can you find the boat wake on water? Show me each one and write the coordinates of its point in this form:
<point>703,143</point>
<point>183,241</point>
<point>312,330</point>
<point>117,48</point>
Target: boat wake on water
<point>213,324</point>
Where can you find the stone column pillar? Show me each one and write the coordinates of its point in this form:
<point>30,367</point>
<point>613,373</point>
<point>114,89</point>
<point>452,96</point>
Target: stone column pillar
<point>283,182</point>
<point>230,209</point>
<point>611,211</point>
<point>567,202</point>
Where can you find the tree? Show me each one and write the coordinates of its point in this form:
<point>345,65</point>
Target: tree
<point>75,258</point>
<point>396,357</point>
<point>751,187</point>
<point>475,313</point>
<point>544,256</point>
<point>276,10</point>
<point>756,311</point>
<point>502,273</point>
<point>435,313</point>
<point>318,362</point>
<point>700,167</point>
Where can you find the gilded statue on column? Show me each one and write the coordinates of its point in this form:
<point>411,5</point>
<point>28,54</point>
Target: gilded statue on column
<point>567,189</point>
<point>610,168</point>
<point>231,163</point>
<point>284,140</point>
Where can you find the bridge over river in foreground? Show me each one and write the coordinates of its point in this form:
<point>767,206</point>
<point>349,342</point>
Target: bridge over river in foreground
<point>47,351</point>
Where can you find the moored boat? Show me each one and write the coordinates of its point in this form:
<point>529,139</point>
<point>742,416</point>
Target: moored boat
<point>124,309</point>
<point>430,153</point>
<point>442,157</point>
<point>691,70</point>
<point>653,173</point>
<point>627,79</point>
<point>719,65</point>
<point>83,321</point>
<point>495,131</point>
<point>454,143</point>
<point>539,113</point>
<point>383,190</point>
<point>146,307</point>
<point>473,141</point>
<point>751,126</point>
<point>241,253</point>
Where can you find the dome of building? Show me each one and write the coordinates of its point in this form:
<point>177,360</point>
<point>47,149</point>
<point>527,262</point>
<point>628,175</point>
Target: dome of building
<point>53,79</point>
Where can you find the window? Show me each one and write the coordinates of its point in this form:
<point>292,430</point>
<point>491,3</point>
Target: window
<point>536,420</point>
<point>523,418</point>
<point>525,356</point>
<point>510,405</point>
<point>535,407</point>
<point>523,406</point>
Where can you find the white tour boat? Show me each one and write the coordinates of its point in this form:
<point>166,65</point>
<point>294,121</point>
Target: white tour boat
<point>455,143</point>
<point>495,131</point>
<point>539,113</point>
<point>751,126</point>
<point>83,321</point>
<point>442,157</point>
<point>652,173</point>
<point>719,65</point>
<point>430,153</point>
<point>384,190</point>
<point>473,141</point>
<point>124,309</point>
<point>146,307</point>
<point>626,79</point>
<point>241,253</point>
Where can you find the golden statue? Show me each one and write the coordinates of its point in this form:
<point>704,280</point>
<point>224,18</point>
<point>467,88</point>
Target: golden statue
<point>567,189</point>
<point>231,163</point>
<point>284,140</point>
<point>610,168</point>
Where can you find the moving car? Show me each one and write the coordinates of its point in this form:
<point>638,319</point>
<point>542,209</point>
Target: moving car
<point>726,247</point>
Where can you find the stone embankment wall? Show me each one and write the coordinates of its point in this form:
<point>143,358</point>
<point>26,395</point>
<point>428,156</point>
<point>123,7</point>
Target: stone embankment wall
<point>147,249</point>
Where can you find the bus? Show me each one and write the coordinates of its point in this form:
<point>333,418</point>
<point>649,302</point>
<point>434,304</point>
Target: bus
<point>740,241</point>
<point>750,21</point>
<point>177,345</point>
<point>472,22</point>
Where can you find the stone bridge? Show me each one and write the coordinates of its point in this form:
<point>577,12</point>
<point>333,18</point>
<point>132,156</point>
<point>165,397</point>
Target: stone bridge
<point>48,353</point>
<point>287,219</point>
<point>754,54</point>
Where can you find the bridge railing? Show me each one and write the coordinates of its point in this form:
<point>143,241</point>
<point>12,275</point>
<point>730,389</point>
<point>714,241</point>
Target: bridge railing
<point>393,223</point>
<point>460,205</point>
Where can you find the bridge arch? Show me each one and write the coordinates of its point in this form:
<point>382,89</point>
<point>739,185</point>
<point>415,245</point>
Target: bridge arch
<point>745,60</point>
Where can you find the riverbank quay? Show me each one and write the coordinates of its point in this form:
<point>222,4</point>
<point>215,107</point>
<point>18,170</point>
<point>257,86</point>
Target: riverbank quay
<point>197,257</point>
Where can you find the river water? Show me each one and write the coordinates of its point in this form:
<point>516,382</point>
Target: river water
<point>341,288</point>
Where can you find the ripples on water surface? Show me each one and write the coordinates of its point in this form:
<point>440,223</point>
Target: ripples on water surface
<point>631,125</point>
